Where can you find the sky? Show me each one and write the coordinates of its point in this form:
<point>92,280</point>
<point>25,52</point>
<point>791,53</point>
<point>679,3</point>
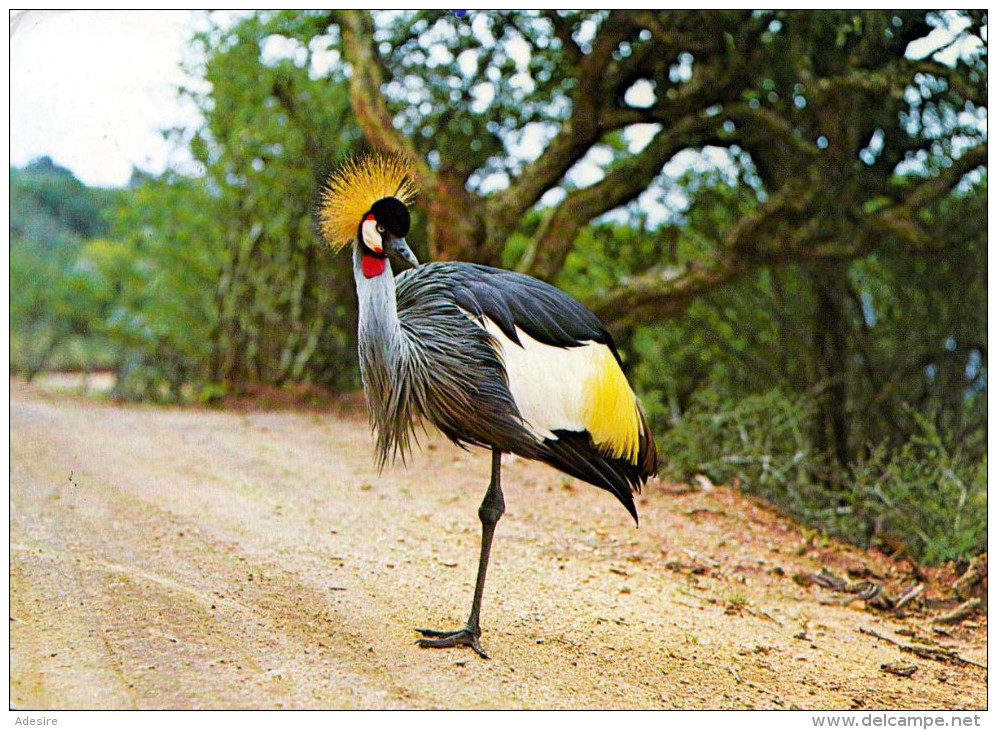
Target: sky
<point>93,89</point>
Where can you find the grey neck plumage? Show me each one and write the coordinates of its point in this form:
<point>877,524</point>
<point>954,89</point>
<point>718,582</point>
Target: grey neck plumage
<point>430,362</point>
<point>378,329</point>
<point>383,348</point>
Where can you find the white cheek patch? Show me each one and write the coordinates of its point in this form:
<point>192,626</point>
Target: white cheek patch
<point>371,237</point>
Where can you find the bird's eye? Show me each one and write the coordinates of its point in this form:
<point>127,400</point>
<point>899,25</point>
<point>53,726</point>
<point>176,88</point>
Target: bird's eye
<point>380,228</point>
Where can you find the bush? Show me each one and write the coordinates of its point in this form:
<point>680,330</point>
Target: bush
<point>925,494</point>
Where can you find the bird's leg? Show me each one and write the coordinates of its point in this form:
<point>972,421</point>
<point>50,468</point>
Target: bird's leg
<point>492,508</point>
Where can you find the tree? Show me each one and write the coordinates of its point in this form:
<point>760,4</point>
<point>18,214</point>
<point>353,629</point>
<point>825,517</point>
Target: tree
<point>157,273</point>
<point>53,304</point>
<point>812,199</point>
<point>906,339</point>
<point>235,246</point>
<point>850,129</point>
<point>850,135</point>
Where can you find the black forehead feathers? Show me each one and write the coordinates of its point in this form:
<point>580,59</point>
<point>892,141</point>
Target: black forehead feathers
<point>393,215</point>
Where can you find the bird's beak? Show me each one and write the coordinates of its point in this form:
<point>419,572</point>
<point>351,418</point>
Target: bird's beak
<point>401,248</point>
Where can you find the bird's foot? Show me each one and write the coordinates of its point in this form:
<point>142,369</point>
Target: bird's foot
<point>466,636</point>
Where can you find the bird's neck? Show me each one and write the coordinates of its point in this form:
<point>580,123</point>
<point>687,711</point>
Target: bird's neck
<point>378,329</point>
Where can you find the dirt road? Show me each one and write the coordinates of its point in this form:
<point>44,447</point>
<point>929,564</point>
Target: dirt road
<point>166,558</point>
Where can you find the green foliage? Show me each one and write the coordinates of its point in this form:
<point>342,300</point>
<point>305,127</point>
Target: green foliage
<point>479,71</point>
<point>926,494</point>
<point>207,283</point>
<point>197,285</point>
<point>54,305</point>
<point>761,440</point>
<point>161,268</point>
<point>50,206</point>
<point>281,307</point>
<point>741,387</point>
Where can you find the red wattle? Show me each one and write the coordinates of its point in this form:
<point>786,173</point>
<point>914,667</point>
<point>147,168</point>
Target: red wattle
<point>372,266</point>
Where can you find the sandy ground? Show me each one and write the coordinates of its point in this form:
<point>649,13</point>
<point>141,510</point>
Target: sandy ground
<point>167,558</point>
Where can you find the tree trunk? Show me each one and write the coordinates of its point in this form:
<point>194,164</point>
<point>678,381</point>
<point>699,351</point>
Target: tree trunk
<point>40,363</point>
<point>830,344</point>
<point>456,231</point>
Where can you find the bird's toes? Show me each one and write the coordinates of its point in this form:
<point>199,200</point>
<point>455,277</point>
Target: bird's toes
<point>478,650</point>
<point>432,633</point>
<point>449,639</point>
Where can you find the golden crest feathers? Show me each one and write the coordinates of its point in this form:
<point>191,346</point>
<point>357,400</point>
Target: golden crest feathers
<point>356,185</point>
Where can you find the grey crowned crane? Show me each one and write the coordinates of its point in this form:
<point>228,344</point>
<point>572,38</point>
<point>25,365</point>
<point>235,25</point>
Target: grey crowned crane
<point>493,358</point>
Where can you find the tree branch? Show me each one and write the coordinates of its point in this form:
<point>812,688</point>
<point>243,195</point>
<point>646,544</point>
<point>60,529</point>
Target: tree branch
<point>772,125</point>
<point>929,191</point>
<point>901,220</point>
<point>628,179</point>
<point>577,135</point>
<point>650,298</point>
<point>956,80</point>
<point>656,295</point>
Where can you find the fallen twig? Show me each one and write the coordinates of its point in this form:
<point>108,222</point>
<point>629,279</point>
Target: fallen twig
<point>761,614</point>
<point>824,578</point>
<point>899,669</point>
<point>704,599</point>
<point>873,593</point>
<point>961,612</point>
<point>909,595</point>
<point>703,559</point>
<point>753,685</point>
<point>975,574</point>
<point>935,653</point>
<point>695,511</point>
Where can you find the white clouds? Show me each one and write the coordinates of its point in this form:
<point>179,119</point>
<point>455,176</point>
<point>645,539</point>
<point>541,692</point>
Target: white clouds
<point>91,89</point>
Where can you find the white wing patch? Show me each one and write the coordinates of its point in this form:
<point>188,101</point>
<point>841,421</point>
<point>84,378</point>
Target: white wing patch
<point>548,383</point>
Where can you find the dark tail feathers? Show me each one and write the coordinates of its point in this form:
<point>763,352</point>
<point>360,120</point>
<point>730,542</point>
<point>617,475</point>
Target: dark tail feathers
<point>574,453</point>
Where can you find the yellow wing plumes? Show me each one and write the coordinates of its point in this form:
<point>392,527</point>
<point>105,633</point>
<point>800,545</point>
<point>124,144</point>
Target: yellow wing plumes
<point>358,184</point>
<point>611,414</point>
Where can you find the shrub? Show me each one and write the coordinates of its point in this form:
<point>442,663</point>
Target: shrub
<point>926,493</point>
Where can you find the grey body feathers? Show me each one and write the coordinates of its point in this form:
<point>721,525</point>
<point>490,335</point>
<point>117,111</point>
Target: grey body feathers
<point>422,357</point>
